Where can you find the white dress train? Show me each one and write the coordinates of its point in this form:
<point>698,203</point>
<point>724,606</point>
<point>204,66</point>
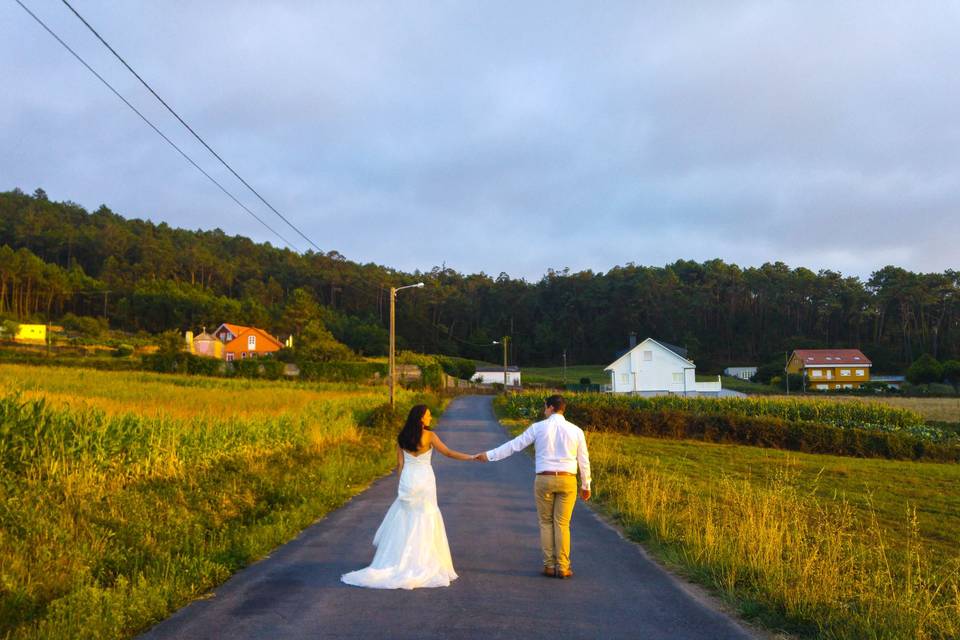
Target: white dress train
<point>411,542</point>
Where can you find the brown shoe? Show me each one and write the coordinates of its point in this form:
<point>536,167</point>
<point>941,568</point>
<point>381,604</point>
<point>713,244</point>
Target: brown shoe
<point>564,573</point>
<point>550,572</point>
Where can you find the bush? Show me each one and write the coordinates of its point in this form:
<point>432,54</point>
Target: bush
<point>951,373</point>
<point>925,370</point>
<point>84,325</point>
<point>761,431</point>
<point>458,367</point>
<point>343,371</point>
<point>123,350</point>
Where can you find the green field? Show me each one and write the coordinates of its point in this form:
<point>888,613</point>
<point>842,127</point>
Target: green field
<point>553,376</point>
<point>123,496</point>
<point>819,546</point>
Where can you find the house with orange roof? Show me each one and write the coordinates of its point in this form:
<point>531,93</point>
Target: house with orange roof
<point>826,369</point>
<point>240,343</point>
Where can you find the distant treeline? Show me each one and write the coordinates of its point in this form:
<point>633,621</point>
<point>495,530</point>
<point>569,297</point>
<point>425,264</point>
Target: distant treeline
<point>55,257</point>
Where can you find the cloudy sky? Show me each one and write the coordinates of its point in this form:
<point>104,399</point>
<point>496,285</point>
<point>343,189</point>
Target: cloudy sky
<point>510,136</point>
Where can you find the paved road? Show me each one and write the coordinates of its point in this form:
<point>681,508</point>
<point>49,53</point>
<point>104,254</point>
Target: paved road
<point>491,523</point>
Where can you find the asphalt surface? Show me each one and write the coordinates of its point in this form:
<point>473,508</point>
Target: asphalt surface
<point>491,523</point>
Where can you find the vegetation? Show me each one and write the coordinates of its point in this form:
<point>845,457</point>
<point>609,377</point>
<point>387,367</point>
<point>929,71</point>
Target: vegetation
<point>812,544</point>
<point>57,258</point>
<point>553,376</point>
<point>850,429</point>
<point>124,496</point>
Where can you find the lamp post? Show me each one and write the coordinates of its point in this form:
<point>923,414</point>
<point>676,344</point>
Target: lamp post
<point>504,340</point>
<point>393,339</point>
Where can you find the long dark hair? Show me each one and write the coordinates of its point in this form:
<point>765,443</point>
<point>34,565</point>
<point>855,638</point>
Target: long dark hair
<point>412,431</point>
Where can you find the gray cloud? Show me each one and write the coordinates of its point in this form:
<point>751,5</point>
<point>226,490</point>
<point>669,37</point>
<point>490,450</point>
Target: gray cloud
<point>498,137</point>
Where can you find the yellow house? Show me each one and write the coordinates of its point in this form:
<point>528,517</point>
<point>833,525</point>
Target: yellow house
<point>825,369</point>
<point>34,333</point>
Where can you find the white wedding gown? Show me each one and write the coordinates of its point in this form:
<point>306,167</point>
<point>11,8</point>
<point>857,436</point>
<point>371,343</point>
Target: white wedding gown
<point>412,548</point>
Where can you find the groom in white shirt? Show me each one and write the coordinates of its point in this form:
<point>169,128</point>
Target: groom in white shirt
<point>560,449</point>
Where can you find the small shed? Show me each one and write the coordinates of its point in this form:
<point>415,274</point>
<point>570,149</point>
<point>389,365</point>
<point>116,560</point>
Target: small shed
<point>492,375</point>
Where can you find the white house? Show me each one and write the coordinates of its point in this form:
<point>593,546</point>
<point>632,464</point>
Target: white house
<point>744,373</point>
<point>657,368</point>
<point>490,375</point>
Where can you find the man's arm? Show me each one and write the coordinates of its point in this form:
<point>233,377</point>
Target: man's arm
<point>583,461</point>
<point>510,447</point>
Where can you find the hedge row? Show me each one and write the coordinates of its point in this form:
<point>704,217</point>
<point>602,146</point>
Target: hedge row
<point>758,431</point>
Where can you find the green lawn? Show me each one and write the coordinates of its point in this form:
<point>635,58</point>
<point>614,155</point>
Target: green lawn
<point>553,376</point>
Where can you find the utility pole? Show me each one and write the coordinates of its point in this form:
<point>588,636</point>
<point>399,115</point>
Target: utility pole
<point>506,339</point>
<point>786,374</point>
<point>391,363</point>
<point>564,368</point>
<point>392,360</point>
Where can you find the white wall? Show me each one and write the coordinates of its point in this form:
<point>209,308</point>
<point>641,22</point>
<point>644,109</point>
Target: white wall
<point>489,377</point>
<point>663,372</point>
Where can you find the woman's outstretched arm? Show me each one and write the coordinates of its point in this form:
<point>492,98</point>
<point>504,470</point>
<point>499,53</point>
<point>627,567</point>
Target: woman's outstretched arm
<point>445,450</point>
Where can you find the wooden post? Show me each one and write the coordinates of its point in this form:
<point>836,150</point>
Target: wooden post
<point>505,339</point>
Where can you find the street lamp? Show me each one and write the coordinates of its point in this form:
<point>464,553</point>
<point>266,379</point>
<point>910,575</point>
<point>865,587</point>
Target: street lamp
<point>504,340</point>
<point>393,338</point>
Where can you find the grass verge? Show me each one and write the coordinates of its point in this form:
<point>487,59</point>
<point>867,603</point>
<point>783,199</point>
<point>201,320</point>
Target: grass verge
<point>819,546</point>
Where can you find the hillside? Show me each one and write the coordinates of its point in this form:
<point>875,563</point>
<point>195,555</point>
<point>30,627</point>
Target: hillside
<point>56,257</point>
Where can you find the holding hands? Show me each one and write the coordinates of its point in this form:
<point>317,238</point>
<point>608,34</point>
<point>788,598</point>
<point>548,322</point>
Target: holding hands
<point>481,457</point>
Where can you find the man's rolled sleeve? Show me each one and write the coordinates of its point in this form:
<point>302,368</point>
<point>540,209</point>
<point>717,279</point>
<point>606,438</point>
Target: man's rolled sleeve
<point>511,447</point>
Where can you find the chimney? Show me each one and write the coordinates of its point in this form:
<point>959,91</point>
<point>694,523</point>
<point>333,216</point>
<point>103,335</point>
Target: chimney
<point>633,339</point>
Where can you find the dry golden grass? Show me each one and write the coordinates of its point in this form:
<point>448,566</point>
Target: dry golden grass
<point>124,495</point>
<point>182,397</point>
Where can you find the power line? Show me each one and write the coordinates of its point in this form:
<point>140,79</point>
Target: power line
<point>152,126</point>
<point>189,128</point>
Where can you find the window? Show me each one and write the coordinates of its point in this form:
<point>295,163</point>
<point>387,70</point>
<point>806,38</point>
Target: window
<point>243,355</point>
<point>647,356</point>
<point>815,373</point>
<point>860,372</point>
<point>252,343</point>
<point>229,356</point>
<point>848,386</point>
<point>822,386</point>
<point>844,373</point>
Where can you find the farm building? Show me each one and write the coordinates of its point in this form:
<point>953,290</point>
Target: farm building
<point>744,373</point>
<point>240,343</point>
<point>490,375</point>
<point>824,369</point>
<point>654,368</point>
<point>31,333</point>
<point>204,344</point>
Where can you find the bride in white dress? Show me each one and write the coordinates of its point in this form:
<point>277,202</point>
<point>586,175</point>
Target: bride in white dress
<point>412,548</point>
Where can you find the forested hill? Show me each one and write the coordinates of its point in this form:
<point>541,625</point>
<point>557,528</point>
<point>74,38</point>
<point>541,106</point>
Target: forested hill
<point>55,257</point>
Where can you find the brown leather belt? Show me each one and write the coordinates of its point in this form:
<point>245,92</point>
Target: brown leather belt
<point>555,473</point>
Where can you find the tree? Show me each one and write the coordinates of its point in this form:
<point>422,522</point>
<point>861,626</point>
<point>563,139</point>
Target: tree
<point>8,329</point>
<point>925,370</point>
<point>951,373</point>
<point>317,344</point>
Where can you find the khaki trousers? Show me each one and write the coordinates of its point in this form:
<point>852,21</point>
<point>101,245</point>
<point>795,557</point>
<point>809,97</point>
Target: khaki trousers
<point>555,496</point>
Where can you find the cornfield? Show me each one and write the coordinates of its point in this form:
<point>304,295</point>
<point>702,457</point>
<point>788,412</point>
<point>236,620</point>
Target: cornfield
<point>844,415</point>
<point>124,496</point>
